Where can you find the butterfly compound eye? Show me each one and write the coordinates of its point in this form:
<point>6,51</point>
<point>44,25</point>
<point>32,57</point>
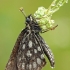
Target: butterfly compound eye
<point>28,20</point>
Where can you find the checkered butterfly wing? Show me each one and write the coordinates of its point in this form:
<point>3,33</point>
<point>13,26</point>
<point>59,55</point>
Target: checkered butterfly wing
<point>28,52</point>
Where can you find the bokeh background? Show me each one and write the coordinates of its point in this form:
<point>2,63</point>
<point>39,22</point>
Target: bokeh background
<point>12,22</point>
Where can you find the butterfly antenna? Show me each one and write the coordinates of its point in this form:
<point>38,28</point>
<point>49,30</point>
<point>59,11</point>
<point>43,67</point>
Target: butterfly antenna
<point>21,9</point>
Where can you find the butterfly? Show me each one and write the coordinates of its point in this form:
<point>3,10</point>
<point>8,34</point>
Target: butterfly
<point>30,48</point>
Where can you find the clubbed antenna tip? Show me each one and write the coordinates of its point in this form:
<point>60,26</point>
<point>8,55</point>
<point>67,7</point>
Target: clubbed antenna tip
<point>21,9</point>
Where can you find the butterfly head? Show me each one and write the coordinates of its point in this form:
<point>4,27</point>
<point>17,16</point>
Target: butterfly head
<point>29,19</point>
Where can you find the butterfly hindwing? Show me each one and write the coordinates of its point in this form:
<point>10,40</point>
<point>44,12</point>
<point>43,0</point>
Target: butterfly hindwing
<point>47,51</point>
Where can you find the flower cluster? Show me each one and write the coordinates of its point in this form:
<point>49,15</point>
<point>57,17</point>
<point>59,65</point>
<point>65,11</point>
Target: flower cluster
<point>43,16</point>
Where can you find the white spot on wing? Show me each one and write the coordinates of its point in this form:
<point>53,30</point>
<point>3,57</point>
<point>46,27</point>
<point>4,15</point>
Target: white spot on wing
<point>38,60</point>
<point>30,66</point>
<point>23,47</point>
<point>28,53</point>
<point>34,65</point>
<point>23,65</point>
<point>35,51</point>
<point>9,62</point>
<point>42,56</point>
<point>30,44</point>
<point>39,49</point>
<point>20,59</point>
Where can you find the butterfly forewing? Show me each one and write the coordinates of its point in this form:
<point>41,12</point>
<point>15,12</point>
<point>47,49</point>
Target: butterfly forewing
<point>30,55</point>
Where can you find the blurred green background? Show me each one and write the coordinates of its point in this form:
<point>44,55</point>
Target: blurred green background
<point>12,22</point>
